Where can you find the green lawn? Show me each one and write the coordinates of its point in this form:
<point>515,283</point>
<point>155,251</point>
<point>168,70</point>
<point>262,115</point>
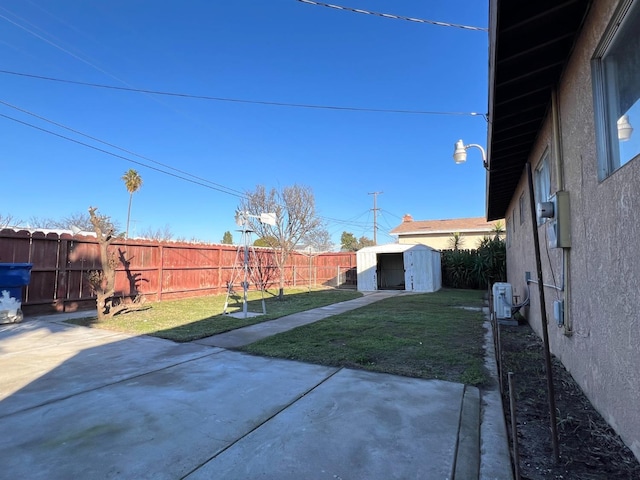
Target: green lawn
<point>425,336</point>
<point>192,318</point>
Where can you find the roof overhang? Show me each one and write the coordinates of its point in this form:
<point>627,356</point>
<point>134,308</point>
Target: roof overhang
<point>529,45</point>
<point>476,231</point>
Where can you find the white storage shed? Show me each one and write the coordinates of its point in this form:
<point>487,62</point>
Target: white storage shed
<point>414,268</point>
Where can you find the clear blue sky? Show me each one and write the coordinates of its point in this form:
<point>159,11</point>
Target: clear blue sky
<point>260,50</point>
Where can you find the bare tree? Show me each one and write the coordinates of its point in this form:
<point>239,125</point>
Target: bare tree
<point>158,234</point>
<point>319,239</point>
<point>103,281</point>
<point>295,212</point>
<point>39,222</point>
<point>8,221</point>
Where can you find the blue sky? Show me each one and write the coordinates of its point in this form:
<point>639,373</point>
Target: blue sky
<point>281,51</point>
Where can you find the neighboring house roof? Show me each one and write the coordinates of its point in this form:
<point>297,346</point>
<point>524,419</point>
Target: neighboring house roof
<point>529,45</point>
<point>409,226</point>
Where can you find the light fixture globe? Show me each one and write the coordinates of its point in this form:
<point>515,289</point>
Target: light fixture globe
<point>624,128</point>
<point>460,153</point>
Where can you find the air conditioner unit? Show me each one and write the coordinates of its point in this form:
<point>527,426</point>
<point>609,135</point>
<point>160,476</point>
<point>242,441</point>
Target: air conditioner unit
<point>502,300</point>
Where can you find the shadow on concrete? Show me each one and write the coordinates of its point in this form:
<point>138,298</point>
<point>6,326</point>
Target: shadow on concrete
<point>87,403</point>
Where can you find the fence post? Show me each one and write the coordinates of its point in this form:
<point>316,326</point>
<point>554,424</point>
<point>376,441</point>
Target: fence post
<point>160,272</point>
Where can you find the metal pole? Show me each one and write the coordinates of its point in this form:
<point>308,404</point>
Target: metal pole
<point>375,216</point>
<point>514,428</point>
<point>543,320</point>
<point>309,282</point>
<point>245,284</point>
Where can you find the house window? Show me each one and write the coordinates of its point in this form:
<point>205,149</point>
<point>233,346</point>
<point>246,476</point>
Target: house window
<point>542,182</point>
<point>522,212</point>
<point>616,89</point>
<point>508,232</point>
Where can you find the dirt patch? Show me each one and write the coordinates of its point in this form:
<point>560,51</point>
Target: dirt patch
<point>589,448</point>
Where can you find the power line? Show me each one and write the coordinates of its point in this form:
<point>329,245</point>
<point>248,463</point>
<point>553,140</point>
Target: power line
<point>241,194</point>
<point>395,17</point>
<point>195,180</point>
<point>238,100</point>
<point>382,210</point>
<point>76,56</point>
<point>53,44</point>
<point>120,156</point>
<point>352,222</point>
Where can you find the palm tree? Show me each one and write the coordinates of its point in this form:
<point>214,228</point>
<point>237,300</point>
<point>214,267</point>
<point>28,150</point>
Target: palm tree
<point>497,230</point>
<point>456,241</point>
<point>133,182</point>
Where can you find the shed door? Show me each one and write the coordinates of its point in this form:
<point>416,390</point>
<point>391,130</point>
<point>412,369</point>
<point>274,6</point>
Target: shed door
<point>417,266</point>
<point>366,267</point>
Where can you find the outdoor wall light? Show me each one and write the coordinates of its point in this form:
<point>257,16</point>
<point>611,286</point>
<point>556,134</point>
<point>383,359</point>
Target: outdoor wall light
<point>460,153</point>
<point>624,128</point>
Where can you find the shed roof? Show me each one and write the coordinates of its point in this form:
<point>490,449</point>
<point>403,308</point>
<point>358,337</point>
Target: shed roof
<point>394,248</point>
<point>529,46</point>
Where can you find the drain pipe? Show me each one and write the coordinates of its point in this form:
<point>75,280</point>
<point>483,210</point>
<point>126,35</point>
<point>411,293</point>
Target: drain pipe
<point>566,258</point>
<point>543,314</point>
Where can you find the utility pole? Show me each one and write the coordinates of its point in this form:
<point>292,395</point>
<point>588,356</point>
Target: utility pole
<point>375,216</point>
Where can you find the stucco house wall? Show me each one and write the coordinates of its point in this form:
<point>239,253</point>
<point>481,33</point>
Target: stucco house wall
<point>599,276</point>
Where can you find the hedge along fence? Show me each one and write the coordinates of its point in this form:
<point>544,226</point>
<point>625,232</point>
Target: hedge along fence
<point>477,269</point>
<point>159,271</point>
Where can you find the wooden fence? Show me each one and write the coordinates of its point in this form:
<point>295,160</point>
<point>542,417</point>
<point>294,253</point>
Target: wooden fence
<point>159,271</point>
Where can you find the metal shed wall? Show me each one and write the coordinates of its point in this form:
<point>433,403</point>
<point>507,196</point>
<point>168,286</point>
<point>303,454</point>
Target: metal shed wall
<point>421,265</point>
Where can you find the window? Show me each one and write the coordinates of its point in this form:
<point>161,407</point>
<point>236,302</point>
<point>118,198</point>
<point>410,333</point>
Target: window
<point>616,89</point>
<point>522,212</point>
<point>542,182</point>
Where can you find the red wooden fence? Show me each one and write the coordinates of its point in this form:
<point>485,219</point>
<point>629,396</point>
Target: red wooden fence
<point>159,271</point>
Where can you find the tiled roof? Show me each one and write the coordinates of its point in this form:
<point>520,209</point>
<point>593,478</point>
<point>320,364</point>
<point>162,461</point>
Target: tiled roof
<point>409,226</point>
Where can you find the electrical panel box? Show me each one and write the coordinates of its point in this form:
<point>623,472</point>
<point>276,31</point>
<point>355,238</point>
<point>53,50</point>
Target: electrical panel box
<point>502,300</point>
<point>558,223</point>
<point>558,312</point>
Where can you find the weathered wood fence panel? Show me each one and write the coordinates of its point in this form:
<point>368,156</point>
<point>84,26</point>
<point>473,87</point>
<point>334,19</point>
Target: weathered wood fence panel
<point>159,271</point>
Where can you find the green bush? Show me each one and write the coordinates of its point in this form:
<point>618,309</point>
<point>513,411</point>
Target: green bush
<point>476,269</point>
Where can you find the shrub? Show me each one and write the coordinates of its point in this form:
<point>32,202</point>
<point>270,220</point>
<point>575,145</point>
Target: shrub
<point>475,269</point>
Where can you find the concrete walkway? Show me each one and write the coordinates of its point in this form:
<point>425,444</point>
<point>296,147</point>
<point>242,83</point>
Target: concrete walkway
<point>246,335</point>
<point>87,403</point>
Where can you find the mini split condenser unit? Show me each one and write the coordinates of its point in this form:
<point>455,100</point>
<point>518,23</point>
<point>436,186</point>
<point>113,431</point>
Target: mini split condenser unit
<point>502,300</point>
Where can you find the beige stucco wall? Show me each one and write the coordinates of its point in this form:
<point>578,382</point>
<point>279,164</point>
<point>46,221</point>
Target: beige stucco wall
<point>600,345</point>
<point>443,242</point>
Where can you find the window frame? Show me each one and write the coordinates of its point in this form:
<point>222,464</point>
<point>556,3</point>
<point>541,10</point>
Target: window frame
<point>542,181</point>
<point>604,89</point>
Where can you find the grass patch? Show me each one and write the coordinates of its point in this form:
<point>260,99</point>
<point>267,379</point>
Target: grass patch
<point>424,336</point>
<point>193,318</point>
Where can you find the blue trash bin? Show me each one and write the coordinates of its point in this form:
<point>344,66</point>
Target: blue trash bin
<point>14,277</point>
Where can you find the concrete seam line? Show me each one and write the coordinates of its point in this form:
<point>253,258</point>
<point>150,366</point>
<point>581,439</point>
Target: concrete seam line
<point>468,453</point>
<point>269,418</point>
<point>54,400</point>
<point>455,449</point>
